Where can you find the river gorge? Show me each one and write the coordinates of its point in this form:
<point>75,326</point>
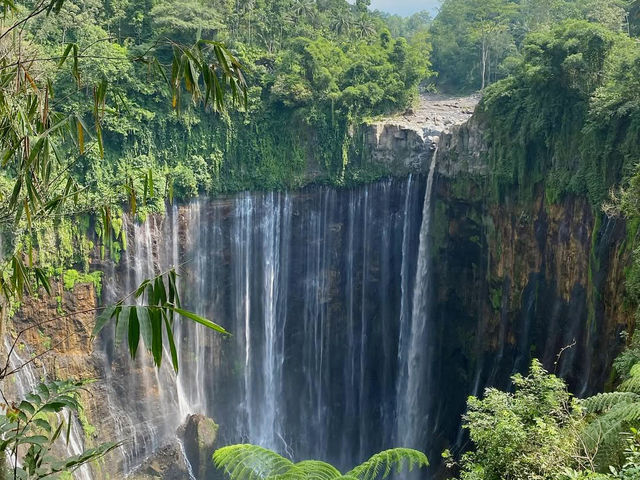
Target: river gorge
<point>361,317</point>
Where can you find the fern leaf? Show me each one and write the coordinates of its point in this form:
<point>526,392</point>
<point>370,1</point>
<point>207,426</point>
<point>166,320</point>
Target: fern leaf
<point>381,465</point>
<point>250,462</point>
<point>605,401</point>
<point>309,470</point>
<point>605,430</point>
<point>632,384</point>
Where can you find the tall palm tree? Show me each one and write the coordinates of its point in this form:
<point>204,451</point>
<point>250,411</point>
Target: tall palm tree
<point>341,23</point>
<point>364,27</point>
<point>303,8</point>
<point>251,462</point>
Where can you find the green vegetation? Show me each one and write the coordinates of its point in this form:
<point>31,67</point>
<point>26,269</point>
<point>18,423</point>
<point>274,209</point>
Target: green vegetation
<point>477,42</point>
<point>105,104</point>
<point>563,108</point>
<point>547,119</point>
<point>313,70</point>
<point>72,277</point>
<point>252,462</point>
<point>540,432</point>
<point>37,426</point>
<point>42,145</point>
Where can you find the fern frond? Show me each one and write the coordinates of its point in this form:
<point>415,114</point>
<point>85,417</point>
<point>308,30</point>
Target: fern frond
<point>309,470</point>
<point>606,429</point>
<point>632,384</point>
<point>382,464</point>
<point>250,462</point>
<point>605,401</point>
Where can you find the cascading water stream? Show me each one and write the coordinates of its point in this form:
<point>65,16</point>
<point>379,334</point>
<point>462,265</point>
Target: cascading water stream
<point>413,363</point>
<point>309,285</point>
<point>26,380</point>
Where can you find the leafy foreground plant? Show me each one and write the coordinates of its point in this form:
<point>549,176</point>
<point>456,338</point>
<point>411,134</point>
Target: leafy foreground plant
<point>32,430</point>
<point>532,433</point>
<point>615,413</point>
<point>251,462</point>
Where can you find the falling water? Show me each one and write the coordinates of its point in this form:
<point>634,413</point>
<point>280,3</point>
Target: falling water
<point>26,379</point>
<point>412,403</point>
<point>310,286</point>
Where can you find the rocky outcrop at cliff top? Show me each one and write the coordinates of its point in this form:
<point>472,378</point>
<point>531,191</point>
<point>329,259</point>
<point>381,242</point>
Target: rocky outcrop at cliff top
<point>404,144</point>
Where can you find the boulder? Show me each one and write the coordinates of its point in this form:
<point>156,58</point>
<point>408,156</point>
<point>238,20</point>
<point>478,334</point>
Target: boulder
<point>199,435</point>
<point>168,463</point>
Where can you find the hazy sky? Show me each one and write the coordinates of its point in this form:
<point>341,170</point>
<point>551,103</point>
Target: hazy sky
<point>405,7</point>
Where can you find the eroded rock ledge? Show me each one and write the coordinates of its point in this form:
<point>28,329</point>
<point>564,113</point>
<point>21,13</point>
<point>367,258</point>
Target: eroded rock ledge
<point>405,144</point>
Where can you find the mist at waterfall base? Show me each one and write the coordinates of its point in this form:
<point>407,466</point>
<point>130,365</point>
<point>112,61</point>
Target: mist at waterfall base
<point>329,352</point>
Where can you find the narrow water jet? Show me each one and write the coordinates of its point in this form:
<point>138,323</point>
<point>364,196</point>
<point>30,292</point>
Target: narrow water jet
<point>413,355</point>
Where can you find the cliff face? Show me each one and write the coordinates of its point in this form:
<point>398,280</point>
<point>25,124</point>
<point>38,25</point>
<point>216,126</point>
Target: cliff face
<point>520,278</point>
<point>52,336</point>
<point>512,278</point>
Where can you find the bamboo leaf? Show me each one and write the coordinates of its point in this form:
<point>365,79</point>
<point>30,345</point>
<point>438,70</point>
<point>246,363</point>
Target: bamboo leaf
<point>103,318</point>
<point>142,314</point>
<point>134,332</point>
<point>122,324</point>
<point>200,320</point>
<point>172,345</point>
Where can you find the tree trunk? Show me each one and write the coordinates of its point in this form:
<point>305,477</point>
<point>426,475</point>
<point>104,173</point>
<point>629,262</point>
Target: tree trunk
<point>484,61</point>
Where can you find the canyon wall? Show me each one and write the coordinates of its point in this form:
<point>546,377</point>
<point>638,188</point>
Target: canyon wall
<point>362,318</point>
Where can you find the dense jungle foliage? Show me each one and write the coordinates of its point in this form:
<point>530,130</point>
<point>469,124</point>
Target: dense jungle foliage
<point>313,69</point>
<point>561,104</point>
<point>563,108</point>
<point>561,111</point>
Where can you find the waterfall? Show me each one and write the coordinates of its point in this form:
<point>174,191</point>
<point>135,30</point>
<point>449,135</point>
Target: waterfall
<point>314,287</point>
<point>26,379</point>
<point>412,402</point>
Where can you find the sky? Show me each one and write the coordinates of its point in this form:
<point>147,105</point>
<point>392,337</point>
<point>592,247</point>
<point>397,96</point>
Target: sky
<point>405,7</point>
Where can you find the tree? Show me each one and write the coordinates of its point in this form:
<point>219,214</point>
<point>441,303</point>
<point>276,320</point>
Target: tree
<point>490,19</point>
<point>342,23</point>
<point>469,38</point>
<point>251,462</point>
<point>363,5</point>
<point>364,27</point>
<point>532,433</point>
<point>191,19</point>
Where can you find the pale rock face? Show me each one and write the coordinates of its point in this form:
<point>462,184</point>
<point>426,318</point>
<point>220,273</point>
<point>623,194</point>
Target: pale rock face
<point>199,435</point>
<point>405,144</point>
<point>399,149</point>
<point>168,463</point>
<point>463,150</point>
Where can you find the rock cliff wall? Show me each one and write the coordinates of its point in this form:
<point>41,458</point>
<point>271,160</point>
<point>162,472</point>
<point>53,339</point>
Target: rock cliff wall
<point>513,278</point>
